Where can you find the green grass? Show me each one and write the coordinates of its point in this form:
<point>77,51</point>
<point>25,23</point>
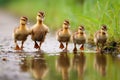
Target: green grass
<point>91,13</point>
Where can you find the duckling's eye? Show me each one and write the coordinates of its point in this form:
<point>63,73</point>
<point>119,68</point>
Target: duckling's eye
<point>24,20</point>
<point>65,24</point>
<point>39,15</point>
<point>80,28</point>
<point>102,28</point>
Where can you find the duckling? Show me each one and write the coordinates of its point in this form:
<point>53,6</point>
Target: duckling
<point>100,37</point>
<point>64,34</point>
<point>39,31</point>
<point>21,33</point>
<point>79,37</point>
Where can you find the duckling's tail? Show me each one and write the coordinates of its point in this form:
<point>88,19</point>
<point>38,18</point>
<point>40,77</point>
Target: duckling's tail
<point>61,45</point>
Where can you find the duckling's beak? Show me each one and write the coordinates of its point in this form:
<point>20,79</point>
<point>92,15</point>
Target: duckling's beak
<point>23,21</point>
<point>40,17</point>
<point>67,27</point>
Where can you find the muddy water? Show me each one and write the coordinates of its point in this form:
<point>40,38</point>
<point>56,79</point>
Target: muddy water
<point>29,64</point>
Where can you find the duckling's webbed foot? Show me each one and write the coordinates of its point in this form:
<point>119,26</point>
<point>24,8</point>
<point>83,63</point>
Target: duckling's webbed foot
<point>36,45</point>
<point>17,48</point>
<point>82,47</point>
<point>61,45</point>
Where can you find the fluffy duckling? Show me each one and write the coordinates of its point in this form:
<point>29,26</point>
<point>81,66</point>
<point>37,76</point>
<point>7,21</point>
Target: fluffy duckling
<point>21,33</point>
<point>100,37</point>
<point>64,34</point>
<point>39,31</point>
<point>79,37</point>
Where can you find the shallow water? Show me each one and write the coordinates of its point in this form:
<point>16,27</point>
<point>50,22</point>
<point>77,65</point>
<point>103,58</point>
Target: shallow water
<point>63,66</point>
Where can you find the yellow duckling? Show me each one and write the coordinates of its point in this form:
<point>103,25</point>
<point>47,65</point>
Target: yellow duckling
<point>79,37</point>
<point>21,33</point>
<point>39,31</point>
<point>100,37</point>
<point>64,34</point>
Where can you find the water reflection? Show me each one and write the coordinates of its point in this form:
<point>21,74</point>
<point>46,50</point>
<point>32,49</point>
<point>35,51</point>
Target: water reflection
<point>24,66</point>
<point>100,63</point>
<point>39,66</point>
<point>34,64</point>
<point>63,65</point>
<point>79,64</point>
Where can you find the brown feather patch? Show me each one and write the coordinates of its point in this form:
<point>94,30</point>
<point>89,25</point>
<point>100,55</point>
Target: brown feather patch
<point>66,22</point>
<point>41,13</point>
<point>24,18</point>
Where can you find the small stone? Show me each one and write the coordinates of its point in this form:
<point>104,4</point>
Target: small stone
<point>4,59</point>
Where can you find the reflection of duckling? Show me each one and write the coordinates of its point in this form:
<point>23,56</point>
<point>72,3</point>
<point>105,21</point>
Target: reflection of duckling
<point>39,67</point>
<point>79,64</point>
<point>63,64</point>
<point>24,65</point>
<point>100,64</point>
<point>39,31</point>
<point>100,37</point>
<point>21,33</point>
<point>79,37</point>
<point>63,35</point>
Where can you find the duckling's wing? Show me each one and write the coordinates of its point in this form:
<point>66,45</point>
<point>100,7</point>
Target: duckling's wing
<point>96,34</point>
<point>74,35</point>
<point>59,31</point>
<point>15,29</point>
<point>47,30</point>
